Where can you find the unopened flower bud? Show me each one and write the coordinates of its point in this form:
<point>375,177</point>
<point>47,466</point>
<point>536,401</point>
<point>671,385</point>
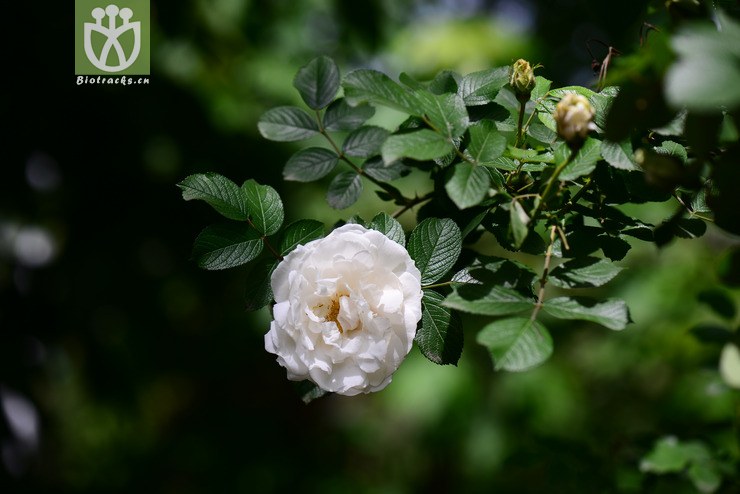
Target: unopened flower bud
<point>574,117</point>
<point>522,78</point>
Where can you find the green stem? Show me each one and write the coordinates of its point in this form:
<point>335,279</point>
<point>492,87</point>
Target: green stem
<point>551,182</point>
<point>545,273</point>
<point>520,123</point>
<point>437,285</point>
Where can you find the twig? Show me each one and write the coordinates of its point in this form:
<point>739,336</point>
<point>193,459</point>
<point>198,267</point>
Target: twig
<point>545,273</point>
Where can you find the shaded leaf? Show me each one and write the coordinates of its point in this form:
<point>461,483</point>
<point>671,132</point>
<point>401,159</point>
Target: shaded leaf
<point>318,82</point>
<point>619,155</point>
<point>494,271</point>
<point>712,333</point>
<point>434,245</point>
<point>258,292</point>
<point>720,302</point>
<point>519,221</point>
<point>219,192</point>
<point>287,123</point>
<point>516,344</point>
<point>440,336</point>
<point>310,164</point>
<point>344,190</point>
<point>377,169</point>
<point>584,272</point>
<point>365,141</point>
<point>341,116</point>
<point>226,246</point>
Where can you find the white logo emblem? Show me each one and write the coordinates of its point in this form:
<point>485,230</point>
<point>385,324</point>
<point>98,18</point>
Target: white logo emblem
<point>111,32</point>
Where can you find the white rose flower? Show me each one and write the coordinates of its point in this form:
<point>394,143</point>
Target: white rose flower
<point>346,310</point>
<point>574,117</point>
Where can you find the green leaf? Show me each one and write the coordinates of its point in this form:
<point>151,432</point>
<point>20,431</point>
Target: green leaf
<point>541,87</point>
<point>421,145</point>
<point>377,169</point>
<point>440,337</point>
<point>670,148</point>
<point>318,82</point>
<point>486,143</point>
<point>226,246</point>
<point>299,233</point>
<point>494,271</point>
<point>434,245</point>
<point>541,133</point>
<point>671,456</point>
<point>309,391</point>
<point>389,227</point>
<point>516,344</point>
<point>480,88</point>
<point>446,112</point>
<point>409,81</point>
<point>611,313</point>
<point>264,206</point>
<point>258,292</point>
<point>584,272</point>
<point>467,184</point>
<point>668,455</point>
<point>519,223</point>
<point>310,164</point>
<point>340,116</point>
<point>286,124</point>
<point>705,475</point>
<point>219,192</point>
<point>582,163</point>
<point>619,155</point>
<point>703,49</point>
<point>344,190</point>
<point>365,85</point>
<point>444,82</point>
<point>487,300</point>
<point>365,141</point>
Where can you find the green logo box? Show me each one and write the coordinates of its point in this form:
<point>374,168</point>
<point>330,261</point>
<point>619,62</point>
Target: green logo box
<point>112,37</point>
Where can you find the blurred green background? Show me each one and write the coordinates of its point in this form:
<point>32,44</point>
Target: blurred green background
<point>124,368</point>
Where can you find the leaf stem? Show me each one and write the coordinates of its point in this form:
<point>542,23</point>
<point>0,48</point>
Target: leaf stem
<point>410,203</point>
<point>267,243</point>
<point>386,187</point>
<point>545,273</point>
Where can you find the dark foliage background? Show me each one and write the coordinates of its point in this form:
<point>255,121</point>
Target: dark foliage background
<point>145,374</point>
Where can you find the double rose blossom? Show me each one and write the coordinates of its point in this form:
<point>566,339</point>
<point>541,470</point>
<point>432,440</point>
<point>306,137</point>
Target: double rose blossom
<point>346,310</point>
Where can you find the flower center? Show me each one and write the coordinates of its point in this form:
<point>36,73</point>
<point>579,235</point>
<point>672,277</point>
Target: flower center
<point>333,313</point>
